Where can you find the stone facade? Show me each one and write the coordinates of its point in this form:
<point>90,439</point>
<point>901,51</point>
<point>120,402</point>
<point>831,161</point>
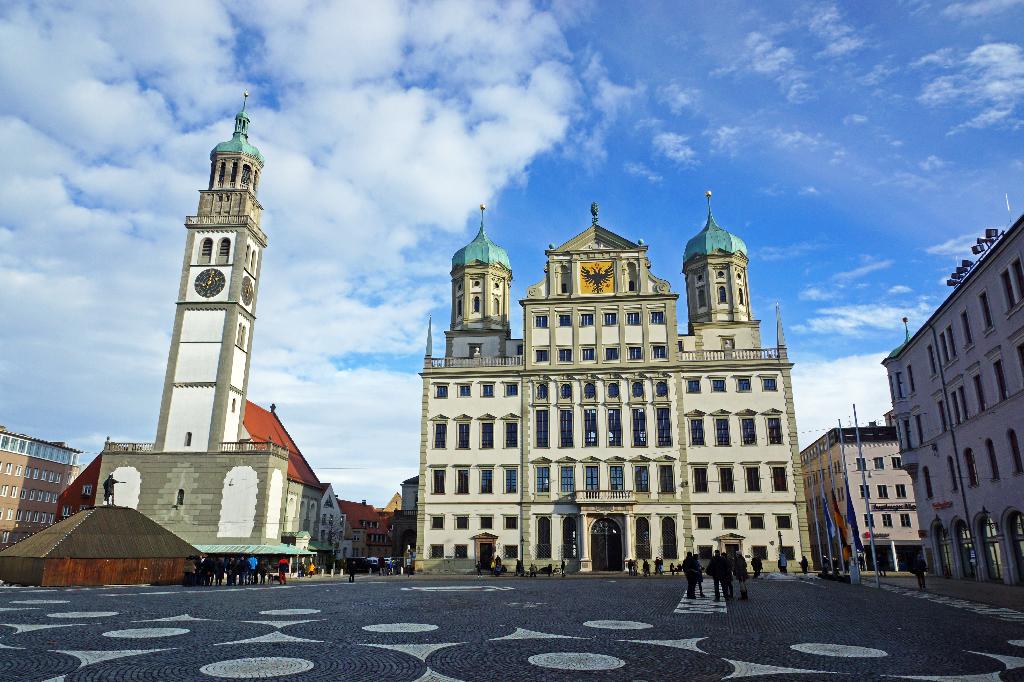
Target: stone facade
<point>600,435</point>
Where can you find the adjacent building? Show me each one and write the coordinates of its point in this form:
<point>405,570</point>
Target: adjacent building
<point>371,532</point>
<point>606,433</point>
<point>885,502</point>
<point>957,387</point>
<point>33,474</point>
<point>403,520</point>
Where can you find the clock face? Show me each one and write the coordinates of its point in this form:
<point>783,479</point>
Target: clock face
<point>210,282</point>
<point>597,277</point>
<point>247,290</point>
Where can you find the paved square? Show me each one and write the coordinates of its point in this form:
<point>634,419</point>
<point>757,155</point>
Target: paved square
<point>402,629</point>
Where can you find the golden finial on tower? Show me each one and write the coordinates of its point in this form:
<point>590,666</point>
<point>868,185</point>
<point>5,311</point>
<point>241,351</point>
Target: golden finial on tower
<point>483,207</point>
<point>245,97</point>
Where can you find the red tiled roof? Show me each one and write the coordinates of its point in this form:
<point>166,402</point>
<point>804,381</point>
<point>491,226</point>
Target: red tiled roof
<point>264,425</point>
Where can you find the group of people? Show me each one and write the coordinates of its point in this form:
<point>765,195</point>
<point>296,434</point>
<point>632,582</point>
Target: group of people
<point>644,567</point>
<point>721,569</point>
<point>217,571</point>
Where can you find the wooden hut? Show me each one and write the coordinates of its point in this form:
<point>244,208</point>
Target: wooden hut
<point>98,546</point>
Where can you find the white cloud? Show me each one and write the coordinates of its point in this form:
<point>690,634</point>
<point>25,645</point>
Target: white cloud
<point>857,320</point>
<point>990,79</point>
<point>760,55</point>
<point>979,9</point>
<point>674,148</point>
<point>955,246</point>
<point>867,268</point>
<point>899,289</point>
<point>840,38</point>
<point>854,119</point>
<point>943,57</point>
<point>678,99</point>
<point>639,170</point>
<point>814,293</point>
<point>809,190</point>
<point>826,390</point>
<point>725,139</point>
<point>608,101</point>
<point>796,250</point>
<point>932,163</point>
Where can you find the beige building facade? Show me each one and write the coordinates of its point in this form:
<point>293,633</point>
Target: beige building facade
<point>605,434</point>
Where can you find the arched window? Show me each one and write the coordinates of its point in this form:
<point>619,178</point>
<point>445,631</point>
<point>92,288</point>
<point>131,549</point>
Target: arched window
<point>1018,465</point>
<point>234,405</point>
<point>972,467</point>
<point>613,389</point>
<point>240,339</point>
<point>220,177</point>
<point>993,557</point>
<point>476,304</point>
<point>966,547</point>
<point>722,297</point>
<point>741,295</point>
<point>589,391</point>
<point>952,473</point>
<point>993,463</point>
<point>188,439</point>
<point>661,389</point>
<point>246,175</point>
<point>542,391</point>
<point>248,250</point>
<point>180,500</point>
<point>702,298</point>
<point>252,261</point>
<point>643,538</point>
<point>497,306</point>
<point>234,172</point>
<point>638,389</point>
<point>206,251</point>
<point>668,538</point>
<point>213,172</point>
<point>566,390</point>
<point>927,483</point>
<point>224,250</point>
<point>569,537</point>
<point>1015,535</point>
<point>543,537</point>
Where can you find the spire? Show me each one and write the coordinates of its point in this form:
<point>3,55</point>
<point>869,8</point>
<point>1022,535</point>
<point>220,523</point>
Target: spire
<point>594,208</point>
<point>245,98</point>
<point>710,224</point>
<point>483,207</point>
<point>430,333</point>
<point>780,336</point>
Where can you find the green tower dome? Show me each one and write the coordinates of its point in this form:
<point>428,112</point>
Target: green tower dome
<point>481,250</point>
<point>239,142</point>
<point>713,238</point>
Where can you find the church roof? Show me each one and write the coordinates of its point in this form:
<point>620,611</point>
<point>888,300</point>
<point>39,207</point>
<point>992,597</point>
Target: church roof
<point>481,250</point>
<point>239,141</point>
<point>264,426</point>
<point>713,239</point>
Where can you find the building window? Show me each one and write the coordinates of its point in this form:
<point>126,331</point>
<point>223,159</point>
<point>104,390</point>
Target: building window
<point>993,462</point>
<point>591,478</point>
<point>901,490</point>
<point>748,431</point>
<point>613,389</point>
<point>883,492</point>
<point>703,522</point>
<point>1001,390</point>
<point>931,359</point>
<point>611,353</point>
<point>463,435</point>
<point>887,520</point>
<point>661,389</point>
<point>543,479</point>
<point>693,385</point>
<point>461,551</point>
<point>633,319</point>
<point>722,432</point>
<point>952,473</point>
<point>753,475</point>
<point>664,422</point>
<point>590,427</point>
<point>188,439</point>
<point>487,390</point>
<point>743,384</point>
<point>641,479</point>
<point>586,319</point>
<point>565,320</point>
<point>486,481</point>
<point>614,427</point>
<point>587,354</point>
<point>438,481</point>
<point>610,319</point>
<point>616,477</point>
<point>697,431</point>
<point>659,352</point>
<point>972,467</point>
<point>542,428</point>
<point>729,522</point>
<point>542,391</point>
<point>462,481</point>
<point>511,390</point>
<point>756,521</point>
<point>476,304</point>
<point>700,479</point>
<point>635,352</point>
<point>666,480</point>
<point>541,354</point>
<point>441,391</point>
<point>979,392</point>
<point>589,391</point>
<point>565,354</point>
<point>722,297</point>
<point>510,552</point>
<point>540,321</point>
<point>486,522</point>
<point>1011,295</point>
<point>566,391</point>
<point>718,385</point>
<point>511,481</point>
<point>568,479</point>
<point>638,389</point>
<point>486,435</point>
<point>927,483</point>
<point>657,317</point>
<point>437,551</point>
<point>639,427</point>
<point>462,522</point>
<point>779,483</point>
<point>1018,465</point>
<point>565,428</point>
<point>905,521</point>
<point>511,434</point>
<point>783,521</point>
<point>465,390</point>
<point>437,523</point>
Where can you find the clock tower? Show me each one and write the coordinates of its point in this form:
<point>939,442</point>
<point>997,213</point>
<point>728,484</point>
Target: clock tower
<point>208,365</point>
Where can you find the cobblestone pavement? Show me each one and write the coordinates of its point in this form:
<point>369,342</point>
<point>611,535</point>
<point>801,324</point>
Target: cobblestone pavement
<point>401,630</point>
<point>996,594</point>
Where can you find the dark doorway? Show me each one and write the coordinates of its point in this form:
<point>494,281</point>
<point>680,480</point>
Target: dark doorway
<point>486,554</point>
<point>606,545</point>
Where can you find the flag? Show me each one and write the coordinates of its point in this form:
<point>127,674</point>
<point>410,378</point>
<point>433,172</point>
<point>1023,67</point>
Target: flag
<point>851,517</point>
<point>841,527</point>
<point>828,517</point>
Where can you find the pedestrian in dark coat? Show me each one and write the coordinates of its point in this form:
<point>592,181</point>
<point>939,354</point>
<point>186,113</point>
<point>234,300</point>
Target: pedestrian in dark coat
<point>920,568</point>
<point>756,564</point>
<point>350,568</point>
<point>727,568</point>
<point>739,569</point>
<point>691,568</point>
<point>716,571</point>
<point>218,570</point>
<point>647,568</point>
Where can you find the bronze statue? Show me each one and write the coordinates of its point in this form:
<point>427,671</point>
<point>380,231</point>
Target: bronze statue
<point>108,489</point>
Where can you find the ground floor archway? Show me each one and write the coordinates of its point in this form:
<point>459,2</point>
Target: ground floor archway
<point>606,545</point>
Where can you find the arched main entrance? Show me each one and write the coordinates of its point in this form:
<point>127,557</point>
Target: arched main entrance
<point>606,545</point>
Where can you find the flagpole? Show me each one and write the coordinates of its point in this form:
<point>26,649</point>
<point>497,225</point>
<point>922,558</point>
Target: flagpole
<point>832,484</point>
<point>817,534</point>
<point>823,503</point>
<point>867,493</point>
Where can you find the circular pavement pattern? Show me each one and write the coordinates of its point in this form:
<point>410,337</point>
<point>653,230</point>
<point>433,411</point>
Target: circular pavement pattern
<point>146,633</point>
<point>400,627</point>
<point>290,612</point>
<point>838,650</point>
<point>1017,642</point>
<point>576,661</point>
<point>82,614</point>
<point>618,624</point>
<point>248,668</point>
<point>41,601</point>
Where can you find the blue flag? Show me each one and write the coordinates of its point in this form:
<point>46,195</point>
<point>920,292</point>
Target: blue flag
<point>851,518</point>
<point>828,517</point>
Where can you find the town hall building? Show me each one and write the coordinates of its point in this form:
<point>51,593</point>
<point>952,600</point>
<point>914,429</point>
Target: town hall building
<point>605,434</point>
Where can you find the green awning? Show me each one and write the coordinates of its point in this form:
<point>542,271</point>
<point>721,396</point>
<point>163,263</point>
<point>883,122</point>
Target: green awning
<point>320,546</point>
<point>258,550</point>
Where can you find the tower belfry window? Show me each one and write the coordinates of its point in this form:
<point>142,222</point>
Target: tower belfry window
<point>180,499</point>
<point>722,296</point>
<point>206,251</point>
<point>246,175</point>
<point>234,172</point>
<point>224,250</point>
<point>476,304</point>
<point>741,295</point>
<point>220,176</point>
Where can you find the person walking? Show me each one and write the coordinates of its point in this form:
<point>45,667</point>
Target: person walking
<point>350,568</point>
<point>783,560</point>
<point>263,568</point>
<point>691,568</point>
<point>756,564</point>
<point>920,568</point>
<point>478,568</point>
<point>647,568</point>
<point>563,568</point>
<point>739,569</point>
<point>803,565</point>
<point>282,571</point>
<point>715,571</point>
<point>218,571</point>
<point>727,568</point>
<point>700,574</point>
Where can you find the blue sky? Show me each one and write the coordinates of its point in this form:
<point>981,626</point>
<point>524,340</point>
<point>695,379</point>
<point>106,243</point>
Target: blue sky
<point>858,148</point>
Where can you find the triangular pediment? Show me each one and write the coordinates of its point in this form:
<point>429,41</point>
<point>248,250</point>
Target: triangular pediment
<point>487,417</point>
<point>616,458</point>
<point>463,418</point>
<point>747,413</point>
<point>566,459</point>
<point>640,458</point>
<point>665,458</point>
<point>540,460</point>
<point>484,536</point>
<point>597,238</point>
<point>721,413</point>
<point>511,415</point>
<point>439,418</point>
<point>772,411</point>
<point>730,536</point>
<point>591,458</point>
<point>695,413</point>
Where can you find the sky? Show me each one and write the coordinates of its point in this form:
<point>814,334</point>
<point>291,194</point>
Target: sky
<point>858,149</point>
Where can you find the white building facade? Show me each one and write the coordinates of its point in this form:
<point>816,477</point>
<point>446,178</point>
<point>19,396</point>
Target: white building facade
<point>605,434</point>
<point>957,387</point>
